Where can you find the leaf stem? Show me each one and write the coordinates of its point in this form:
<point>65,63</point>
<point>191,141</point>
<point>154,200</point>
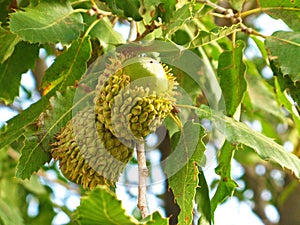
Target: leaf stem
<point>80,11</point>
<point>187,106</point>
<point>256,10</point>
<point>78,2</point>
<point>143,175</point>
<point>94,23</point>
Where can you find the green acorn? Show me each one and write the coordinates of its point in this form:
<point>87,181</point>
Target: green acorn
<point>136,98</point>
<point>88,153</point>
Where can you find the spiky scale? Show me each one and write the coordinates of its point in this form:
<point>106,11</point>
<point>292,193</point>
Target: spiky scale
<point>139,107</point>
<point>93,159</point>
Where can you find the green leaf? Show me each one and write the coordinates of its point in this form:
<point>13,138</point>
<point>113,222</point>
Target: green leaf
<point>16,126</point>
<point>34,186</point>
<point>261,46</point>
<point>4,10</point>
<point>204,37</point>
<point>104,31</point>
<point>261,94</point>
<point>285,47</point>
<point>69,67</point>
<point>187,154</point>
<point>181,16</point>
<point>286,83</point>
<point>164,9</point>
<point>285,101</point>
<point>59,113</point>
<point>237,4</point>
<point>226,185</point>
<point>231,69</point>
<point>37,146</point>
<point>286,10</point>
<point>155,219</point>
<point>127,8</point>
<point>264,146</point>
<point>48,22</point>
<point>102,207</point>
<point>8,42</point>
<point>10,215</point>
<point>203,201</point>
<point>22,59</point>
<point>33,156</point>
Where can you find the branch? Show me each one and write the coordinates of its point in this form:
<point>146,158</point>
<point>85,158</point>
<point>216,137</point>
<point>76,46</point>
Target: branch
<point>143,175</point>
<point>132,32</point>
<point>235,18</point>
<point>149,29</point>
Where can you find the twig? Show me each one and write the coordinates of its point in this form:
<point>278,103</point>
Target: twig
<point>143,175</point>
<point>213,5</point>
<point>149,29</point>
<point>132,32</point>
<point>236,18</point>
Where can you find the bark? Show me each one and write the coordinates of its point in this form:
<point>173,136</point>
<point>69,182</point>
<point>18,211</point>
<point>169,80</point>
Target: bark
<point>172,209</point>
<point>289,209</point>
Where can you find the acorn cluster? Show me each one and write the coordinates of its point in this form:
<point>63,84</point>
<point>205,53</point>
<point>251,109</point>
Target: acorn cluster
<point>133,97</point>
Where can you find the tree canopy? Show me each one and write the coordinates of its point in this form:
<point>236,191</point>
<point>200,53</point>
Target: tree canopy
<point>245,107</point>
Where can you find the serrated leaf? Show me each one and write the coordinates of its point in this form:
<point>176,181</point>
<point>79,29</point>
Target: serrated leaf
<point>181,16</point>
<point>286,10</point>
<point>187,154</point>
<point>22,59</point>
<point>33,156</point>
<point>34,186</point>
<point>204,37</point>
<point>16,126</point>
<point>102,207</point>
<point>73,66</point>
<point>285,47</point>
<point>290,106</point>
<point>203,201</point>
<point>48,22</point>
<point>237,4</point>
<point>10,215</point>
<point>36,149</point>
<point>226,185</point>
<point>261,94</point>
<point>265,147</point>
<point>286,83</point>
<point>104,31</point>
<point>155,219</point>
<point>166,9</point>
<point>4,10</point>
<point>261,46</point>
<point>59,113</point>
<point>127,8</point>
<point>68,67</point>
<point>8,42</point>
<point>56,117</point>
<point>231,69</point>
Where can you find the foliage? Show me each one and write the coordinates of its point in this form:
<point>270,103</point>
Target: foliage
<point>218,37</point>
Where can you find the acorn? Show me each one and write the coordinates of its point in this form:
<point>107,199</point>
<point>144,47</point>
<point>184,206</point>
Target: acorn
<point>88,153</point>
<point>135,99</point>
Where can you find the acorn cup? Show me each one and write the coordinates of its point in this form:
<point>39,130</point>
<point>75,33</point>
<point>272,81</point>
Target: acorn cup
<point>133,97</point>
<point>88,153</point>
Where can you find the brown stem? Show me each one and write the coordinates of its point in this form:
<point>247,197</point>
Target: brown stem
<point>149,29</point>
<point>143,175</point>
<point>132,33</point>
